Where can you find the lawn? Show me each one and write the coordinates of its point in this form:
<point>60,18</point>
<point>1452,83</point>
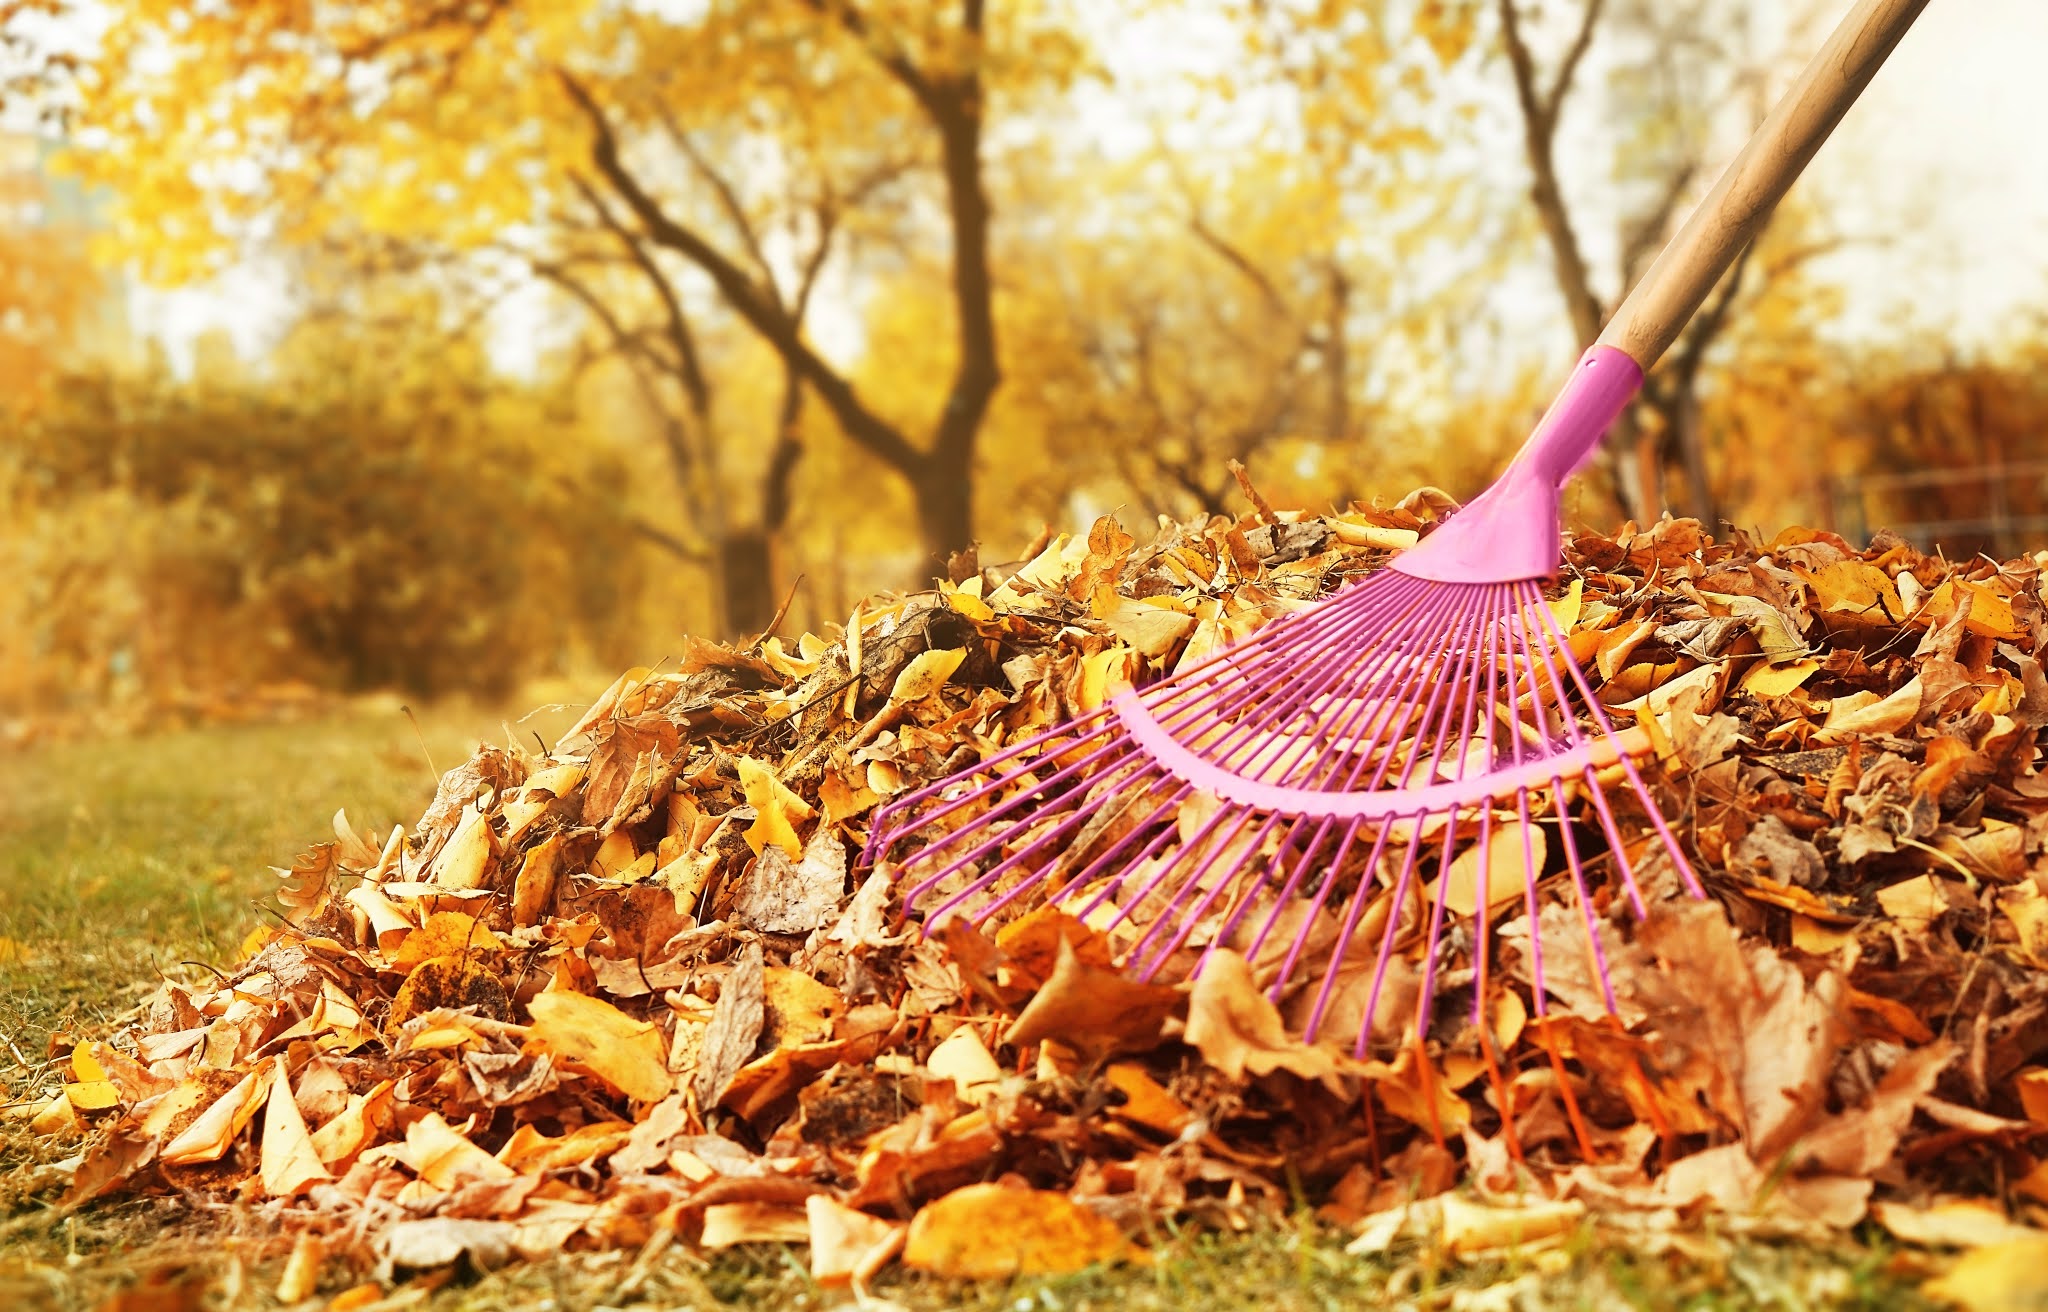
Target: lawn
<point>125,859</point>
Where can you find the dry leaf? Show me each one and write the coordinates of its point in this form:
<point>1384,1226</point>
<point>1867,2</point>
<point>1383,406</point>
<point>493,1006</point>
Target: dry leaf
<point>1238,1030</point>
<point>208,1137</point>
<point>991,1232</point>
<point>849,1246</point>
<point>777,810</point>
<point>726,1224</point>
<point>965,1060</point>
<point>289,1163</point>
<point>735,1028</point>
<point>780,896</point>
<point>926,673</point>
<point>631,1055</point>
<point>2002,1278</point>
<point>1952,1224</point>
<point>1093,1009</point>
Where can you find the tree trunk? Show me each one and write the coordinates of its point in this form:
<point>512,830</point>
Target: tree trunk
<point>1689,435</point>
<point>746,575</point>
<point>945,508</point>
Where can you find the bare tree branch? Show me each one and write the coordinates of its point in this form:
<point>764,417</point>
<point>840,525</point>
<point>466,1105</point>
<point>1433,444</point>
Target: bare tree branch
<point>747,298</point>
<point>1540,110</point>
<point>689,368</point>
<point>1242,263</point>
<point>728,198</point>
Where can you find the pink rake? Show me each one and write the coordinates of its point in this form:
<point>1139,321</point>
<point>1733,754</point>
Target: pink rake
<point>1325,765</point>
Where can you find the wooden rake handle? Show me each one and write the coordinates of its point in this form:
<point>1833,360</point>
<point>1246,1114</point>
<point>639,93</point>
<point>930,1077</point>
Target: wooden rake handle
<point>1735,211</point>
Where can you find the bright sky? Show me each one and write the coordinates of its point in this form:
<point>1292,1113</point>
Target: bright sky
<point>1947,157</point>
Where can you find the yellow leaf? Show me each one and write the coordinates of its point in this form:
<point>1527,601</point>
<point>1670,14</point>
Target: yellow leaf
<point>289,1163</point>
<point>1858,716</point>
<point>55,1116</point>
<point>1856,587</point>
<point>1475,1227</point>
<point>1990,611</point>
<point>348,1133</point>
<point>301,1275</point>
<point>446,934</point>
<point>530,1150</point>
<point>973,607</point>
<point>445,1159</point>
<point>614,855</point>
<point>93,1095</point>
<point>631,1055</point>
<point>1507,869</point>
<point>1778,680</point>
<point>1146,1101</point>
<point>926,674</point>
<point>1357,533</point>
<point>991,1232</point>
<point>86,1068</point>
<point>1566,608</point>
<point>1958,1223</point>
<point>777,810</point>
<point>965,1060</point>
<point>1103,674</point>
<point>1915,903</point>
<point>466,860</point>
<point>1996,1279</point>
<point>2033,1090</point>
<point>533,892</point>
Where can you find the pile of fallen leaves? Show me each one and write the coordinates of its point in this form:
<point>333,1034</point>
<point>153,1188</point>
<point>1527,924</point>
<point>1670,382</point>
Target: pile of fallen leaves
<point>635,988</point>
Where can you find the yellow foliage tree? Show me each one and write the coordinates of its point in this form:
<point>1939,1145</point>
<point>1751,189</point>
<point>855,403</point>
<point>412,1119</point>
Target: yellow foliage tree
<point>650,160</point>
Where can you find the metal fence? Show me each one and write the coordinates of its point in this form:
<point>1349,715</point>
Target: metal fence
<point>1999,509</point>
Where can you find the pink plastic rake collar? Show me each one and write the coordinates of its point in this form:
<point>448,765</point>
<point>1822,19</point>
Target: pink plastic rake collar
<point>1271,797</point>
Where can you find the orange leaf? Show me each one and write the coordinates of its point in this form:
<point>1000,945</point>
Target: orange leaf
<point>631,1055</point>
<point>990,1232</point>
<point>207,1138</point>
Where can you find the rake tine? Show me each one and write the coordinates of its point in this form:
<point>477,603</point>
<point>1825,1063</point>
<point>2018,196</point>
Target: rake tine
<point>1590,922</point>
<point>1434,938</point>
<point>1614,843</point>
<point>1193,915</point>
<point>1002,834</point>
<point>1628,766</point>
<point>1386,953</point>
<point>1361,758</point>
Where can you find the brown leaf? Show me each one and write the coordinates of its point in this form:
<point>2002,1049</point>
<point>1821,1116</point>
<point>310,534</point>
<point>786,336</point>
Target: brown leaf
<point>1092,1009</point>
<point>735,1028</point>
<point>1238,1030</point>
<point>781,896</point>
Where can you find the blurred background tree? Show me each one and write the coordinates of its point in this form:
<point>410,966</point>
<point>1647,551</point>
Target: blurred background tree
<point>599,321</point>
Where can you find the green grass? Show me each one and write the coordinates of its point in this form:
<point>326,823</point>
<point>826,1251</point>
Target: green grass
<point>122,859</point>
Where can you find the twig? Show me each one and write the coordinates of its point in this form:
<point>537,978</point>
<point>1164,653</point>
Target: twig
<point>423,743</point>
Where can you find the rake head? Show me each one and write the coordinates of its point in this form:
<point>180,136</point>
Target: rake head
<point>1330,789</point>
<point>1339,782</point>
